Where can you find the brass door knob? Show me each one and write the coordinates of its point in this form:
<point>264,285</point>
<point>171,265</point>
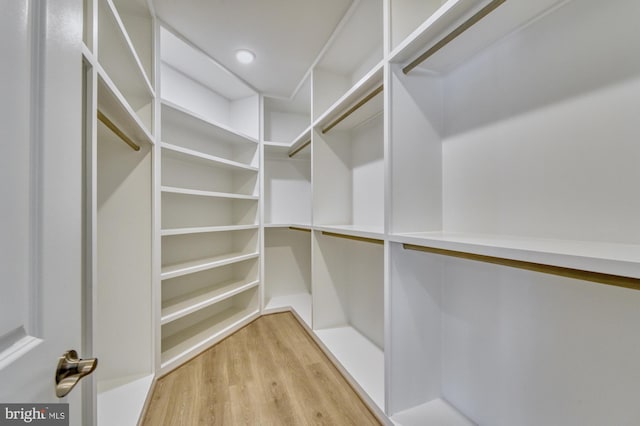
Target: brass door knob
<point>70,370</point>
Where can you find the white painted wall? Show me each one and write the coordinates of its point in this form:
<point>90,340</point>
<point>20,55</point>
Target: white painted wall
<point>527,348</point>
<point>542,134</point>
<point>367,174</point>
<point>287,190</point>
<point>124,261</point>
<point>287,255</point>
<point>181,90</point>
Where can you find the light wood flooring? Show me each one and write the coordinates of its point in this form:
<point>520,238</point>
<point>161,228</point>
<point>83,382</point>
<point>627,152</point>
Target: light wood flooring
<point>269,373</point>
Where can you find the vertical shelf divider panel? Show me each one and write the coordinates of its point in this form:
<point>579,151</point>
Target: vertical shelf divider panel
<point>416,132</point>
<point>210,203</point>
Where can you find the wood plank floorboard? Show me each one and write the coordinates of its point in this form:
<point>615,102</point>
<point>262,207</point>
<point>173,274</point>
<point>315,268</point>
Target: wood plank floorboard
<point>269,373</point>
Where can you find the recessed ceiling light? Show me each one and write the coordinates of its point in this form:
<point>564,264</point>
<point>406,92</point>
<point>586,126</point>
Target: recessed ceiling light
<point>245,56</point>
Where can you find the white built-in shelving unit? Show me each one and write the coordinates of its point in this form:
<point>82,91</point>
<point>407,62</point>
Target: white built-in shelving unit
<point>287,203</point>
<point>467,209</point>
<point>119,99</point>
<point>446,202</point>
<point>210,189</point>
<point>509,209</point>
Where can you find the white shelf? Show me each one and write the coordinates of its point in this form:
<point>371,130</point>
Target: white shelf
<point>437,412</point>
<point>300,303</point>
<point>122,403</point>
<point>206,229</point>
<point>281,145</point>
<point>194,339</point>
<point>606,258</point>
<point>194,121</point>
<point>114,105</point>
<point>184,305</point>
<point>172,271</point>
<point>138,21</point>
<point>353,230</point>
<point>192,155</point>
<point>361,359</point>
<point>130,46</point>
<point>119,58</point>
<point>199,193</point>
<point>304,136</point>
<point>362,88</point>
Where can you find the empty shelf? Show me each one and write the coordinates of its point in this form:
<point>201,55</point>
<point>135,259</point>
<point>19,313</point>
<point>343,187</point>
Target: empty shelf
<point>172,271</point>
<point>189,303</point>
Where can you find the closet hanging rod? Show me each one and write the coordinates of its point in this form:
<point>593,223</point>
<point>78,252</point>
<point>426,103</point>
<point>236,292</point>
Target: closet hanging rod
<point>296,228</point>
<point>117,131</point>
<point>597,277</point>
<point>294,151</point>
<point>353,237</point>
<point>453,34</point>
<point>351,110</point>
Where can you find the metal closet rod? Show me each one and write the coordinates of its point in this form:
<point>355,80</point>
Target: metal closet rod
<point>296,228</point>
<point>294,151</point>
<point>453,34</point>
<point>351,110</point>
<point>117,131</point>
<point>353,237</point>
<point>597,277</point>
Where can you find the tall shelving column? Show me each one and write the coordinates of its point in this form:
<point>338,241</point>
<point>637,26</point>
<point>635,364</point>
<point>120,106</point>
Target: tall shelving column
<point>348,240</point>
<point>210,197</point>
<point>287,203</point>
<point>119,134</point>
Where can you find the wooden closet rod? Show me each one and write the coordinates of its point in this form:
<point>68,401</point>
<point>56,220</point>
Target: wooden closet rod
<point>351,110</point>
<point>453,34</point>
<point>597,277</point>
<point>294,151</point>
<point>117,131</point>
<point>353,237</point>
<point>295,228</point>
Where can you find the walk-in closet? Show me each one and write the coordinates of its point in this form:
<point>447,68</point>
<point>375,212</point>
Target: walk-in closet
<point>445,197</point>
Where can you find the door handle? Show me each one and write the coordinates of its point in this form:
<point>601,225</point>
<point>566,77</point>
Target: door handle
<point>70,370</point>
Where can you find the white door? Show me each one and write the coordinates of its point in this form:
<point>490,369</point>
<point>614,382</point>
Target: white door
<point>40,197</point>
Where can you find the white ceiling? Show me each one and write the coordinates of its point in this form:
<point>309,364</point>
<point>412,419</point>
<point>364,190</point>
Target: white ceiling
<point>286,35</point>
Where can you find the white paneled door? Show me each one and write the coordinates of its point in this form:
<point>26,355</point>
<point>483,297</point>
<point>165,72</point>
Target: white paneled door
<point>40,197</point>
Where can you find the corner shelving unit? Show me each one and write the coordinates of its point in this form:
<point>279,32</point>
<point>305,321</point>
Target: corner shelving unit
<point>287,204</point>
<point>210,204</point>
